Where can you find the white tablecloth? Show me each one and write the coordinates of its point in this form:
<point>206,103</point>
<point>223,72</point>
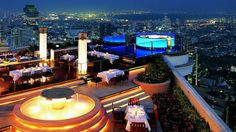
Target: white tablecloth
<point>107,56</point>
<point>12,59</point>
<point>25,58</point>
<point>68,57</point>
<point>21,59</point>
<point>7,54</point>
<point>108,75</point>
<point>16,74</point>
<point>136,114</point>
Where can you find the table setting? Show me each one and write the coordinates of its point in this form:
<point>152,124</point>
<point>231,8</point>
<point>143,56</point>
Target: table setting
<point>16,74</point>
<point>107,56</point>
<point>137,114</point>
<point>108,75</point>
<point>68,57</point>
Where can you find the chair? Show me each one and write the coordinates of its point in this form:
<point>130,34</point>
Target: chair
<point>24,79</point>
<point>70,64</point>
<point>7,79</point>
<point>155,111</point>
<point>9,56</point>
<point>91,66</point>
<point>38,72</point>
<point>4,86</point>
<point>26,74</point>
<point>153,115</point>
<point>119,78</point>
<point>35,76</point>
<point>126,76</point>
<point>118,115</point>
<point>47,74</point>
<point>137,127</point>
<point>19,67</point>
<point>96,80</point>
<point>4,70</point>
<point>134,101</point>
<point>112,81</point>
<point>154,98</point>
<point>61,62</point>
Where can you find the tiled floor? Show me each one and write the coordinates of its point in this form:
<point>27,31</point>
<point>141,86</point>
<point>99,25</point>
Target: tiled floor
<point>98,90</point>
<point>101,89</point>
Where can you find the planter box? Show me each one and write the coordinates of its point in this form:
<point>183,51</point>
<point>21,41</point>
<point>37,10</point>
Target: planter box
<point>153,88</point>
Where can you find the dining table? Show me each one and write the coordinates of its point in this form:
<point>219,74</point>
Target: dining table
<point>7,55</point>
<point>68,57</point>
<point>107,56</point>
<point>108,75</point>
<point>136,114</point>
<point>16,74</point>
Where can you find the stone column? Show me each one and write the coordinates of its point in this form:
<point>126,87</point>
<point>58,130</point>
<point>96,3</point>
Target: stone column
<point>43,43</point>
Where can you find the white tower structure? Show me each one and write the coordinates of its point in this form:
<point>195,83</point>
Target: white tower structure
<point>82,53</point>
<point>52,55</point>
<point>43,43</point>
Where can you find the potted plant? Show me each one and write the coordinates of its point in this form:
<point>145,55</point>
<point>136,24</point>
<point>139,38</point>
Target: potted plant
<point>155,78</point>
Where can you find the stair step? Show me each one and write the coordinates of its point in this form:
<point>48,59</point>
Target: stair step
<point>124,100</point>
<point>121,95</point>
<point>123,106</point>
<point>121,99</point>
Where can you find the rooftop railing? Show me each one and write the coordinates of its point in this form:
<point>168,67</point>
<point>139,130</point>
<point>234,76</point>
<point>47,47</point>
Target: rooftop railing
<point>208,114</point>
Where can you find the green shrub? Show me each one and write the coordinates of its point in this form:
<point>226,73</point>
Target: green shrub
<point>190,112</point>
<point>156,72</point>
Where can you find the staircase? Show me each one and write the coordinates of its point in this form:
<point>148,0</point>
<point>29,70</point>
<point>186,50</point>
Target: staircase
<point>121,99</point>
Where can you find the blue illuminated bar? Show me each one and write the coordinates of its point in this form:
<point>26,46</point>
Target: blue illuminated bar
<point>155,41</point>
<point>114,39</point>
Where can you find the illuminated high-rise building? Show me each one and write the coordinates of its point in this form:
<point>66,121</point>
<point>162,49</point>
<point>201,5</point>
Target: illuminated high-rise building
<point>21,37</point>
<point>166,23</point>
<point>3,46</point>
<point>105,29</point>
<point>31,15</point>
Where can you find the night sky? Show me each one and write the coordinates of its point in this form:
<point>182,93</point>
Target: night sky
<point>117,5</point>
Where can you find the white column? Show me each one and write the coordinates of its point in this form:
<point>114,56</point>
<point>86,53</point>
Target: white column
<point>52,55</point>
<point>82,53</point>
<point>43,43</point>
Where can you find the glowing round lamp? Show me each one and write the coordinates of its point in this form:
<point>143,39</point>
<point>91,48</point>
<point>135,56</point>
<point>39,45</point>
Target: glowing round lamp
<point>58,96</point>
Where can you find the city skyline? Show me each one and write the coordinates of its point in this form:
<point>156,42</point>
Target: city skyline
<point>199,6</point>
